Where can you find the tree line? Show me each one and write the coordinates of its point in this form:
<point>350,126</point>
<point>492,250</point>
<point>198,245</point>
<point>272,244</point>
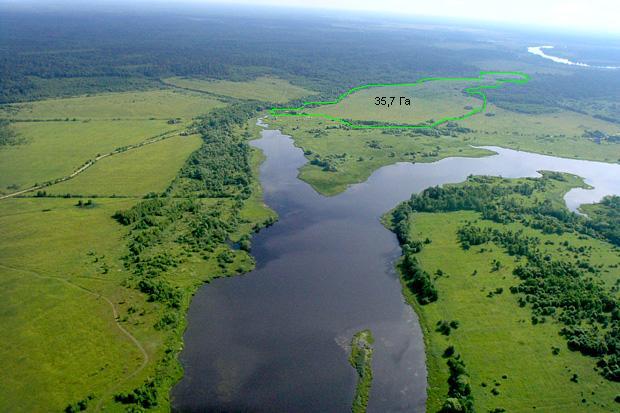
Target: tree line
<point>165,229</point>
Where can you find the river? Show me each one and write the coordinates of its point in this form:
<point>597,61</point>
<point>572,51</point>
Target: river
<point>274,340</point>
<point>538,51</point>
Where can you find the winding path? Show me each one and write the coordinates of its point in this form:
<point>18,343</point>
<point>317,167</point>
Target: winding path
<point>145,356</point>
<point>90,163</point>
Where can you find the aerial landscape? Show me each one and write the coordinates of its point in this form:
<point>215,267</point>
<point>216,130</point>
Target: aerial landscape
<point>277,206</point>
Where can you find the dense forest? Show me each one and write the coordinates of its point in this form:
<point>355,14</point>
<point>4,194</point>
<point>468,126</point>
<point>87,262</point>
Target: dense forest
<point>567,290</point>
<point>134,51</point>
<point>115,51</point>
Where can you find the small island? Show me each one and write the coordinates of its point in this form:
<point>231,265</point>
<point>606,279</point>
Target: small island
<point>361,359</point>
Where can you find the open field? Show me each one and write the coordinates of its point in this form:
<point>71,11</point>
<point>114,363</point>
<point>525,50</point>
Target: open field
<point>343,156</point>
<point>559,133</point>
<point>75,328</point>
<point>56,149</point>
<point>511,361</point>
<point>152,104</point>
<point>351,156</point>
<point>495,335</point>
<point>60,341</point>
<point>412,105</point>
<point>133,173</point>
<point>426,103</point>
<point>86,127</point>
<point>267,89</point>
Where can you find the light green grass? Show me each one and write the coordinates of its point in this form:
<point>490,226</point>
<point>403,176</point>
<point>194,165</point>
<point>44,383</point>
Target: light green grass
<point>160,104</point>
<point>103,123</point>
<point>264,88</point>
<point>59,342</point>
<point>559,133</point>
<point>432,100</point>
<point>136,172</point>
<point>495,336</point>
<point>56,149</point>
<point>362,159</point>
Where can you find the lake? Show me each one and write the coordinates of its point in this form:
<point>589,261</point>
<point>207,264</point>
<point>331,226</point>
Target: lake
<point>274,340</point>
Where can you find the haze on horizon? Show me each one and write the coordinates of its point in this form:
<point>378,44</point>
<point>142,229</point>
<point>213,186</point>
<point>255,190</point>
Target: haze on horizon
<point>598,16</point>
<point>595,16</point>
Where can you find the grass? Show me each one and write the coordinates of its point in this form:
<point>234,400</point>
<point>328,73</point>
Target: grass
<point>86,127</point>
<point>361,360</point>
<point>56,149</point>
<point>433,100</point>
<point>356,154</point>
<point>502,349</point>
<point>354,157</point>
<point>158,104</point>
<point>58,340</point>
<point>59,263</point>
<point>559,133</point>
<point>133,173</point>
<point>264,88</point>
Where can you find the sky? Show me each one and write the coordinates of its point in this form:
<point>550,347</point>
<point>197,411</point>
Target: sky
<point>596,16</point>
<point>568,15</point>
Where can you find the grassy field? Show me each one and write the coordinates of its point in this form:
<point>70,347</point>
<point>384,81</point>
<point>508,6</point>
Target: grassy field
<point>56,149</point>
<point>559,133</point>
<point>152,104</point>
<point>356,154</point>
<point>88,126</point>
<point>344,156</point>
<point>509,359</point>
<point>428,101</point>
<point>267,89</point>
<point>133,173</point>
<point>60,340</point>
<point>72,327</point>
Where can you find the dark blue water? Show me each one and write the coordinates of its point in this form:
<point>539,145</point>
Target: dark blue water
<point>274,340</point>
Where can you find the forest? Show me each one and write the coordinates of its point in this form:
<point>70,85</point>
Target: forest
<point>129,52</point>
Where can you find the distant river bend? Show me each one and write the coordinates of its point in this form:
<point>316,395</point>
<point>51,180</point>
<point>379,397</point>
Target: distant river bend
<point>539,51</point>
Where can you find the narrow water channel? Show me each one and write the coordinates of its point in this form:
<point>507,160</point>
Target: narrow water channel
<point>274,340</point>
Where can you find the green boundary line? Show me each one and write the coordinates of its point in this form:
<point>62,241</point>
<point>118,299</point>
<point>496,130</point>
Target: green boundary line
<point>472,91</point>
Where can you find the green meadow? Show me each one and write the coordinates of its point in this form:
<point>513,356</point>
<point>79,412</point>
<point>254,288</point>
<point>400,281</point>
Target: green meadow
<point>56,149</point>
<point>151,104</point>
<point>512,363</point>
<point>62,134</point>
<point>74,329</point>
<point>132,173</point>
<point>343,157</point>
<point>496,337</point>
<point>339,156</point>
<point>412,105</point>
<point>61,341</point>
<point>560,133</point>
<point>265,88</point>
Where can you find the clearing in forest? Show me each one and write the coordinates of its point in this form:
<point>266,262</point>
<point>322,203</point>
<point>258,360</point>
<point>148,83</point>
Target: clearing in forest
<point>426,103</point>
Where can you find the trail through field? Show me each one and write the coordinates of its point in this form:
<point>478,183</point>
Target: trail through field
<point>90,163</point>
<point>134,340</point>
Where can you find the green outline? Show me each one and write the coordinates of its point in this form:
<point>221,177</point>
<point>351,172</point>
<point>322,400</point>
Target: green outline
<point>472,91</point>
